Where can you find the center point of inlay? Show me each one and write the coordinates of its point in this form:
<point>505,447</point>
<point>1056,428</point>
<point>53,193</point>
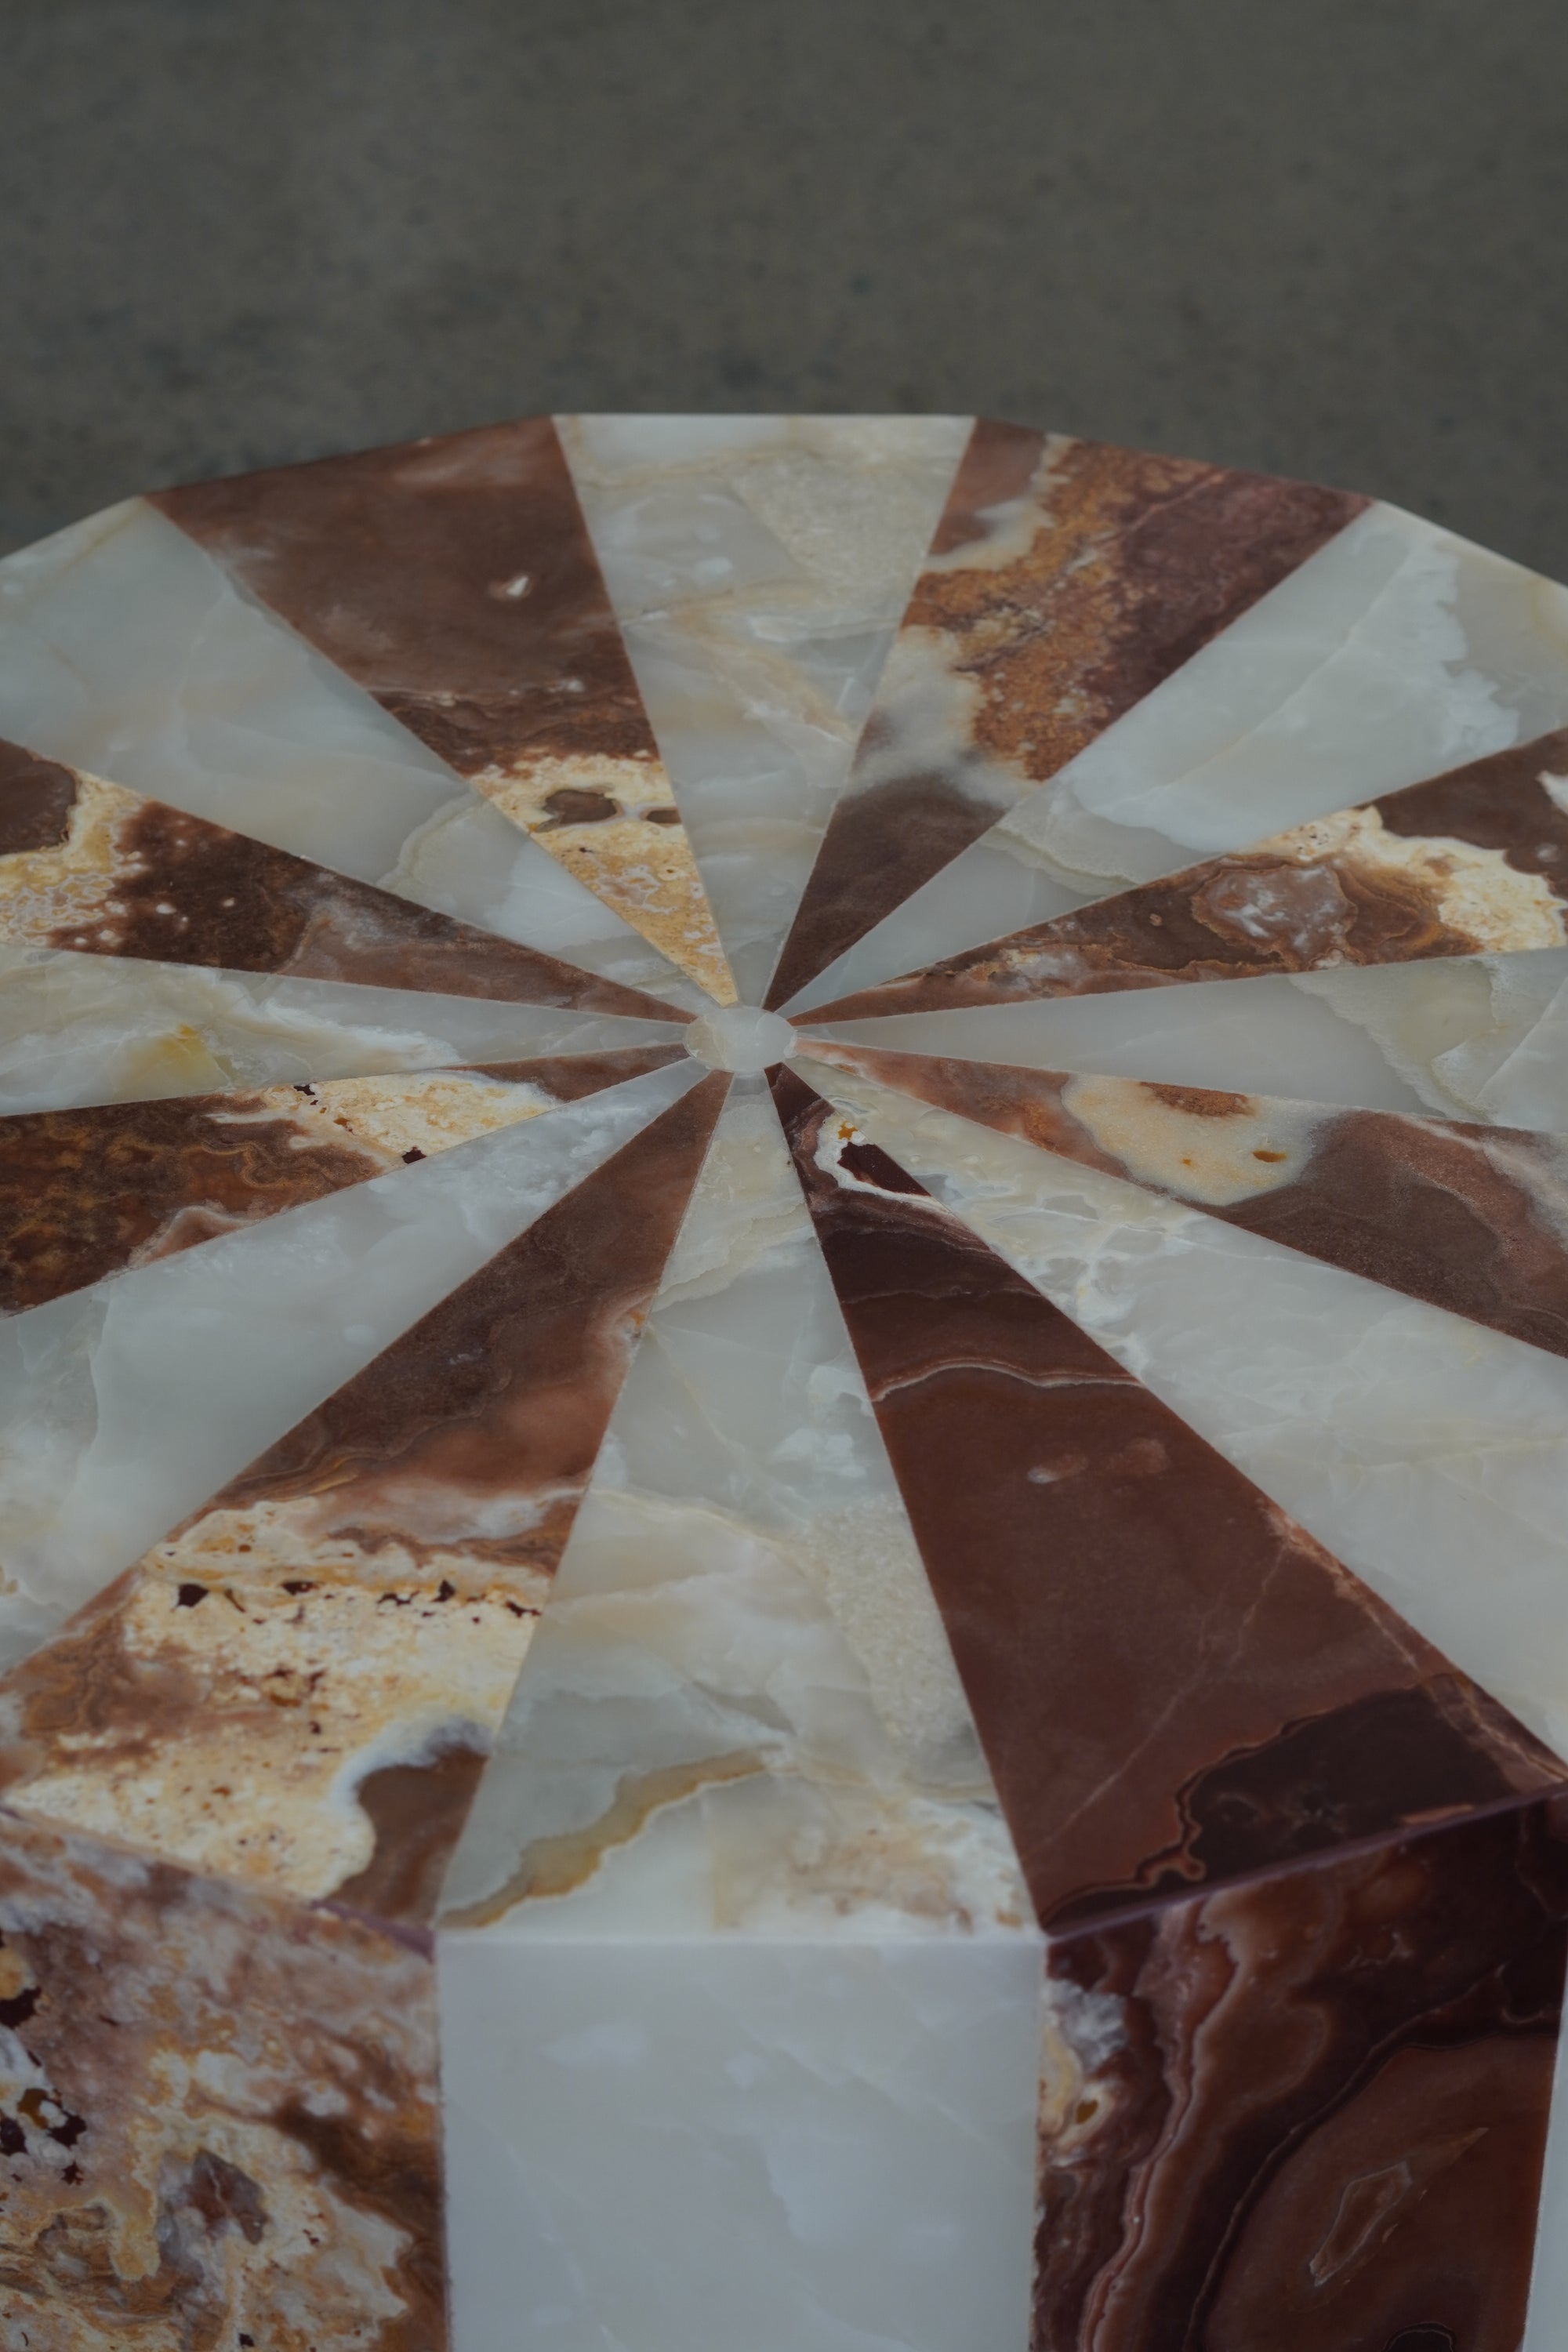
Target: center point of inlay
<point>741,1037</point>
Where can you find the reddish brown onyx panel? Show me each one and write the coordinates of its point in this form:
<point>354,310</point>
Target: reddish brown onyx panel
<point>93,867</point>
<point>1471,1218</point>
<point>1306,2112</point>
<point>452,578</point>
<point>1066,579</point>
<point>370,1584</point>
<point>218,2121</point>
<point>87,1193</point>
<point>1304,1884</point>
<point>1468,862</point>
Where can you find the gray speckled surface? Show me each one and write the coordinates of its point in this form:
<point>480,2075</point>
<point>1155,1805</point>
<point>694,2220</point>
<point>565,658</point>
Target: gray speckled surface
<point>1325,238</point>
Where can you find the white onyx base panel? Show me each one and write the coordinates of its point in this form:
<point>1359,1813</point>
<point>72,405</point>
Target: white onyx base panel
<point>793,2146</point>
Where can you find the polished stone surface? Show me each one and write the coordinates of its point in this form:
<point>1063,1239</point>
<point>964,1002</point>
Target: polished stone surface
<point>783,1361</point>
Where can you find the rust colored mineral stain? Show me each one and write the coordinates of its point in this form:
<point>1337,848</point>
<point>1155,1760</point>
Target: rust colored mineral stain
<point>1468,1217</point>
<point>86,1192</point>
<point>1471,862</point>
<point>174,888</point>
<point>1068,579</point>
<point>575,807</point>
<point>226,2198</point>
<point>417,1812</point>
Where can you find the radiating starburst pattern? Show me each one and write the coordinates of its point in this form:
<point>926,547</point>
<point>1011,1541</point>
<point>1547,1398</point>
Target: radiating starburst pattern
<point>784,1248</point>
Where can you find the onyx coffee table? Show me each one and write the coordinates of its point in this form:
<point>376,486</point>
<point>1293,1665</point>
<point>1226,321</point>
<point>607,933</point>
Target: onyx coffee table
<point>784,1405</point>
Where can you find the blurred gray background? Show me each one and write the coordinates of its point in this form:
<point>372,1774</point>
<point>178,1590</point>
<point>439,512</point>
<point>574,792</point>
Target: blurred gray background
<point>1324,236</point>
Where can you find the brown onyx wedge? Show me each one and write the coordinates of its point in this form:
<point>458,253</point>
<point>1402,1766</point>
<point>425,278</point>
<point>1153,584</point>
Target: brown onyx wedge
<point>85,1194</point>
<point>1473,862</point>
<point>351,1611</point>
<point>1240,1790</point>
<point>454,579</point>
<point>90,866</point>
<point>1148,1643</point>
<point>1471,1218</point>
<point>1066,579</point>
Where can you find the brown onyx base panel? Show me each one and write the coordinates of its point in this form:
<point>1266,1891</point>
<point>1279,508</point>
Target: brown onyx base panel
<point>1325,2124</point>
<point>219,2119</point>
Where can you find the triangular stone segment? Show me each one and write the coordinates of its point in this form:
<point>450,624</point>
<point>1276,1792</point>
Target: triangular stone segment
<point>772,1685</point>
<point>1174,1684</point>
<point>92,867</point>
<point>1411,1443</point>
<point>759,567</point>
<point>1067,579</point>
<point>86,1193</point>
<point>124,1406</point>
<point>220,2112</point>
<point>1395,652</point>
<point>455,581</point>
<point>126,650</point>
<point>351,1611</point>
<point>77,1030</point>
<point>1475,1037</point>
<point>1471,1218</point>
<point>1473,862</point>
